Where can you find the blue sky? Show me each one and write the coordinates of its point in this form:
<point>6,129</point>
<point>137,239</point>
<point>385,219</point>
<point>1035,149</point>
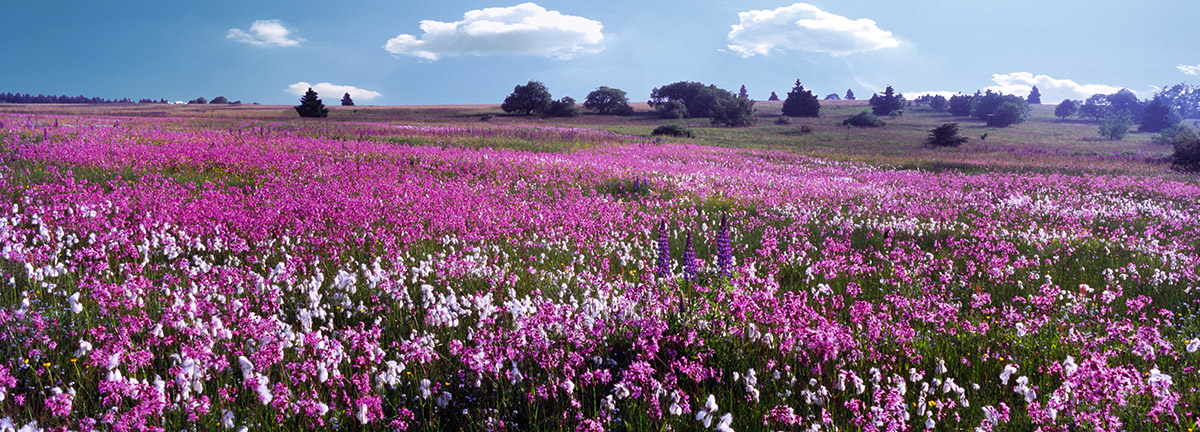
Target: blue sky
<point>476,51</point>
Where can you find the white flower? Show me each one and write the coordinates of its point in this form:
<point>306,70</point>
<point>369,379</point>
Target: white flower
<point>726,420</point>
<point>362,413</point>
<point>76,306</point>
<point>1069,366</point>
<point>1193,345</point>
<point>621,391</point>
<point>706,414</point>
<point>84,348</point>
<point>941,366</point>
<point>710,404</point>
<point>227,419</point>
<point>1008,371</point>
<point>425,393</point>
<point>991,415</point>
<point>929,423</point>
<point>444,399</point>
<point>1021,330</point>
<point>568,387</point>
<point>247,367</point>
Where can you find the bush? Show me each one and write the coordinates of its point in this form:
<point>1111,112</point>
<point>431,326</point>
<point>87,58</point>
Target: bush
<point>1158,115</point>
<point>938,103</point>
<point>528,99</point>
<point>564,107</point>
<point>987,107</point>
<point>1007,114</point>
<point>959,105</point>
<point>220,100</point>
<point>945,135</point>
<point>783,120</point>
<point>1116,127</point>
<point>673,130</point>
<point>672,110</point>
<point>864,119</point>
<point>1167,136</point>
<point>1066,108</point>
<point>1187,148</point>
<point>735,112</point>
<point>201,101</point>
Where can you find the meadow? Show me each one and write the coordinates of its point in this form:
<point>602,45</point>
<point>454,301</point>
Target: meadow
<point>417,268</point>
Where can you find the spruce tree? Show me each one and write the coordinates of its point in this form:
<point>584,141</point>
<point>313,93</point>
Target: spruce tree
<point>1035,96</point>
<point>311,106</point>
<point>889,103</point>
<point>346,101</point>
<point>743,93</point>
<point>774,97</point>
<point>801,103</point>
<point>849,95</point>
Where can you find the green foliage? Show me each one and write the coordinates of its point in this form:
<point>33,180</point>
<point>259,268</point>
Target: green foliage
<point>849,95</point>
<point>220,100</point>
<point>938,103</point>
<point>1125,100</point>
<point>864,119</point>
<point>1035,96</point>
<point>743,93</point>
<point>608,100</point>
<point>528,99</point>
<point>1187,147</point>
<point>1116,127</point>
<point>698,98</point>
<point>774,97</point>
<point>801,102</point>
<point>1158,115</point>
<point>887,104</point>
<point>198,101</point>
<point>1167,136</point>
<point>987,108</point>
<point>832,97</point>
<point>1066,108</point>
<point>564,107</point>
<point>783,120</point>
<point>673,130</point>
<point>672,110</point>
<point>1008,113</point>
<point>1184,98</point>
<point>346,100</point>
<point>735,112</point>
<point>311,105</point>
<point>945,135</point>
<point>1096,107</point>
<point>960,105</point>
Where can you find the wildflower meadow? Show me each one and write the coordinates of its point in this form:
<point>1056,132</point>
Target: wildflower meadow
<point>172,274</point>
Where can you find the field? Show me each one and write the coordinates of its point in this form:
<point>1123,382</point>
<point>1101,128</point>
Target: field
<point>417,268</point>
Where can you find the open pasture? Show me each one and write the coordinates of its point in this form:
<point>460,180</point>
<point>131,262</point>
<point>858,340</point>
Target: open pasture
<point>212,272</point>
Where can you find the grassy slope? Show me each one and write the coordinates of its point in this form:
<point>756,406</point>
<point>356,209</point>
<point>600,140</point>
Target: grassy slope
<point>1043,143</point>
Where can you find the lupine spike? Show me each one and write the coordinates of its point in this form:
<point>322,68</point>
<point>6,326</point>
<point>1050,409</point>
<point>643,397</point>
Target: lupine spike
<point>724,250</point>
<point>689,259</point>
<point>664,251</point>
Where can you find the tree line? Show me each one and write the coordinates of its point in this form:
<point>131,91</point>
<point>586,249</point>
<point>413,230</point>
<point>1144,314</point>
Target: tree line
<point>26,98</point>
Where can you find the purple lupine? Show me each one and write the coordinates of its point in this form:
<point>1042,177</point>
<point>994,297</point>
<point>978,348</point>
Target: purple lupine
<point>689,259</point>
<point>664,251</point>
<point>724,250</point>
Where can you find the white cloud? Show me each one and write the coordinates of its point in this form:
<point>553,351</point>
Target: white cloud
<point>524,29</point>
<point>1189,70</point>
<point>1052,90</point>
<point>265,33</point>
<point>332,91</point>
<point>805,27</point>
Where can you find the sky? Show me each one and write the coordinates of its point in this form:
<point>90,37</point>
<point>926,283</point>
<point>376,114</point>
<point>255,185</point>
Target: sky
<point>422,52</point>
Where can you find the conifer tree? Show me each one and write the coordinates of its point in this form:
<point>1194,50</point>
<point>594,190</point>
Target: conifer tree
<point>774,97</point>
<point>849,94</point>
<point>801,103</point>
<point>346,101</point>
<point>743,93</point>
<point>1035,96</point>
<point>887,104</point>
<point>311,106</point>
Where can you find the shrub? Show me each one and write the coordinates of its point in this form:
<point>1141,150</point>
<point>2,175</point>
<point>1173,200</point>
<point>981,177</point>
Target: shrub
<point>938,103</point>
<point>1066,108</point>
<point>783,120</point>
<point>832,97</point>
<point>672,110</point>
<point>1007,114</point>
<point>486,117</point>
<point>735,112</point>
<point>945,135</point>
<point>959,105</point>
<point>987,108</point>
<point>865,119</point>
<point>1116,127</point>
<point>1187,148</point>
<point>673,130</point>
<point>1167,136</point>
<point>528,99</point>
<point>1158,115</point>
<point>201,101</point>
<point>220,100</point>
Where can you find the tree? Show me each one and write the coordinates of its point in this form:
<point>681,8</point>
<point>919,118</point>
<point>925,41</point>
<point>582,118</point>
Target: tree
<point>528,99</point>
<point>743,93</point>
<point>987,108</point>
<point>608,100</point>
<point>672,110</point>
<point>1035,97</point>
<point>832,97</point>
<point>801,103</point>
<point>891,102</point>
<point>959,105</point>
<point>1007,114</point>
<point>945,135</point>
<point>1184,98</point>
<point>311,106</point>
<point>200,100</point>
<point>1187,148</point>
<point>735,112</point>
<point>1066,108</point>
<point>564,107</point>
<point>1095,106</point>
<point>700,99</point>
<point>849,94</point>
<point>1125,100</point>
<point>938,103</point>
<point>1116,127</point>
<point>774,97</point>
<point>219,100</point>
<point>1158,115</point>
<point>346,100</point>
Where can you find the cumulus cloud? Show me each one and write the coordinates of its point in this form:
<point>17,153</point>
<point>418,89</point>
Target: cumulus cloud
<point>328,90</point>
<point>525,29</point>
<point>805,27</point>
<point>1189,70</point>
<point>265,33</point>
<point>1052,90</point>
